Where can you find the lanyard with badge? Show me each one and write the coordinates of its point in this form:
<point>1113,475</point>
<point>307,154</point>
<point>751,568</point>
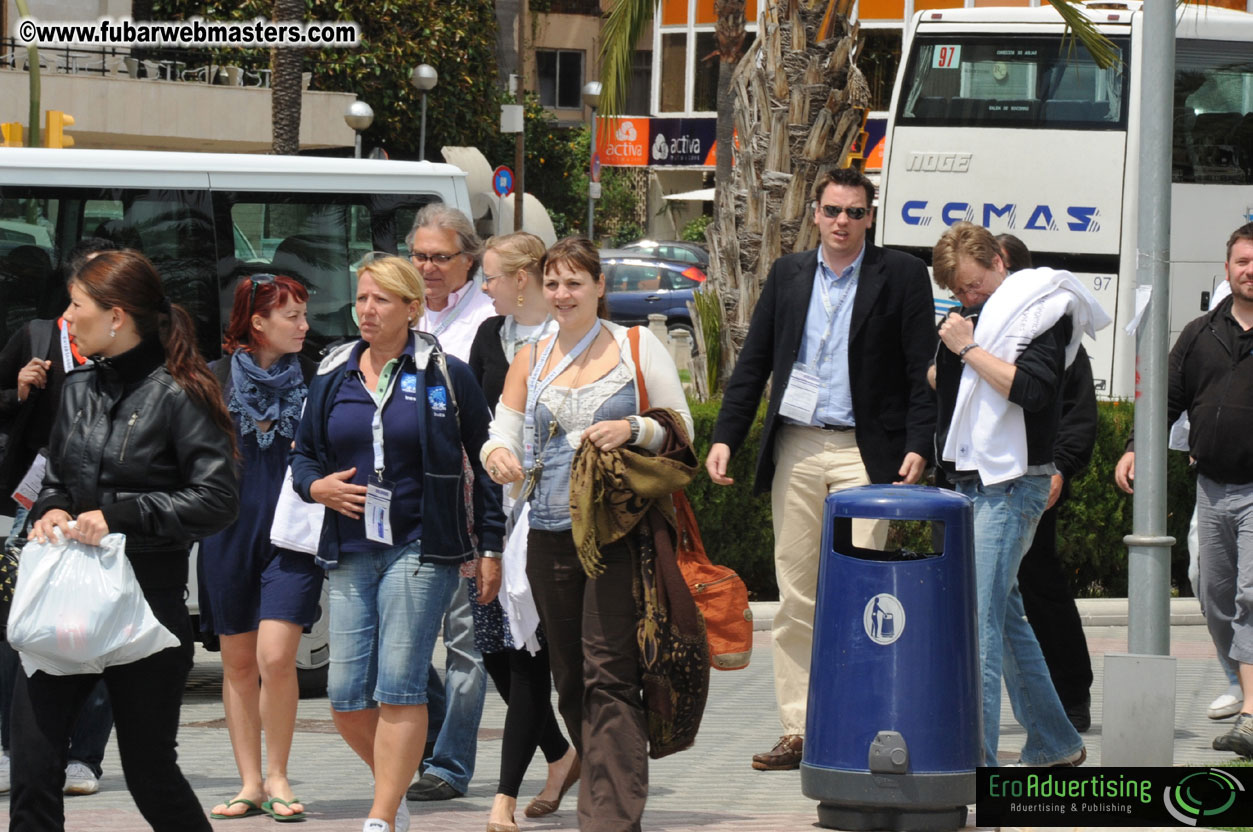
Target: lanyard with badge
<point>512,344</point>
<point>447,320</point>
<point>800,398</point>
<point>535,387</point>
<point>378,492</point>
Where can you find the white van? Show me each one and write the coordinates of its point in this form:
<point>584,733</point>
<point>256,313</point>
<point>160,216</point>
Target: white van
<point>205,220</point>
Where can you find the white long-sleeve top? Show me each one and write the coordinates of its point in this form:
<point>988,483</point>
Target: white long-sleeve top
<point>988,432</point>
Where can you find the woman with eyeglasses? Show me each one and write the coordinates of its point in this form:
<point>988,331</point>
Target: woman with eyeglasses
<point>142,446</point>
<point>511,278</point>
<point>256,597</point>
<point>561,393</point>
<point>389,443</point>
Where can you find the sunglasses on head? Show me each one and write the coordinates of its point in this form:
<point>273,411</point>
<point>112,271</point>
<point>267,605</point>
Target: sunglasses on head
<point>257,280</point>
<point>833,211</point>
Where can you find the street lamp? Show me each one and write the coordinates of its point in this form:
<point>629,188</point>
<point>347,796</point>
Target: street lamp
<point>424,78</point>
<point>359,117</point>
<point>591,98</point>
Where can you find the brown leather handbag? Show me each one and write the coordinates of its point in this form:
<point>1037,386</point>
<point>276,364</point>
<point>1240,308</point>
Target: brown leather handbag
<point>720,594</point>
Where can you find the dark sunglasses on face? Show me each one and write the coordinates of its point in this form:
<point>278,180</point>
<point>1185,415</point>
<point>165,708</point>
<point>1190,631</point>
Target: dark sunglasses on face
<point>257,280</point>
<point>833,211</point>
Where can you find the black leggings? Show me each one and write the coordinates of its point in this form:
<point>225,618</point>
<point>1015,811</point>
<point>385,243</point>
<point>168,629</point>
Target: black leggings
<point>525,683</point>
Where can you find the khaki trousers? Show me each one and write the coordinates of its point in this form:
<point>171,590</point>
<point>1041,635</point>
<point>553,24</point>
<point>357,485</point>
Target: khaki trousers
<point>810,463</point>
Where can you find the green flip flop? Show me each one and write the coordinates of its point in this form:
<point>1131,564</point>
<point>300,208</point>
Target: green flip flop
<point>253,809</point>
<point>268,808</point>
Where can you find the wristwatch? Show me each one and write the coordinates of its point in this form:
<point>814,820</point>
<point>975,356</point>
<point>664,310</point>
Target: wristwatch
<point>634,422</point>
<point>490,555</point>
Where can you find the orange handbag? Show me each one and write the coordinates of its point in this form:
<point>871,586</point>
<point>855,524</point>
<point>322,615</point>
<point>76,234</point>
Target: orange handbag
<point>720,594</point>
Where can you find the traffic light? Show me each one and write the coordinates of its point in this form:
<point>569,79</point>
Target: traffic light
<point>12,134</point>
<point>54,129</point>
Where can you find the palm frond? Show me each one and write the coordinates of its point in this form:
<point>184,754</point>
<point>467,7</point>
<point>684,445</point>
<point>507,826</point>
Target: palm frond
<point>627,22</point>
<point>1078,26</point>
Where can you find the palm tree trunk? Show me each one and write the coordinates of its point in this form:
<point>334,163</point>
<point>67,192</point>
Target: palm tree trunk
<point>285,92</point>
<point>796,116</point>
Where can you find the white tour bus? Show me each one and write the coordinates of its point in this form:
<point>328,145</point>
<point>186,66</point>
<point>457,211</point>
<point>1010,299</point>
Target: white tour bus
<point>998,121</point>
<point>205,220</point>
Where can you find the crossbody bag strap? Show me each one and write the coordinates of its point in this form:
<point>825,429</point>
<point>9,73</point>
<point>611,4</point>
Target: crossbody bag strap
<point>633,335</point>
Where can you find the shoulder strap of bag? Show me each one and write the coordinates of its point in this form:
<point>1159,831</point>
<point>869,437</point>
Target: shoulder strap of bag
<point>633,335</point>
<point>41,338</point>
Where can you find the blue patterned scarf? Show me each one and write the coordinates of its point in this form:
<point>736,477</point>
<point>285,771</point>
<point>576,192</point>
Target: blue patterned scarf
<point>269,395</point>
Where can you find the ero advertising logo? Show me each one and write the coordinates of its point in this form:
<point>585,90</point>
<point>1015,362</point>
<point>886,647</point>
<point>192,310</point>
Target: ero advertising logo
<point>1164,796</point>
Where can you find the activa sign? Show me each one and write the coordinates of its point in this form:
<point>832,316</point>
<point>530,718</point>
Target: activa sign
<point>1008,215</point>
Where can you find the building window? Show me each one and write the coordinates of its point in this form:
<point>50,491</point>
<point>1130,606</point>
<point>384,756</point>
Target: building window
<point>705,86</point>
<point>641,84</point>
<point>878,61</point>
<point>673,72</point>
<point>560,78</point>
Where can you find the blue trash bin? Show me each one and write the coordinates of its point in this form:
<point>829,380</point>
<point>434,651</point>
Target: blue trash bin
<point>893,732</point>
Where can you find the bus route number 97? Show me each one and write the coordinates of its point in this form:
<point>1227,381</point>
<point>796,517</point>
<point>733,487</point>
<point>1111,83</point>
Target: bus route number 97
<point>946,57</point>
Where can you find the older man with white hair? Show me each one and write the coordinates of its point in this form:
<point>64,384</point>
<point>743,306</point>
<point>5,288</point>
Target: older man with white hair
<point>445,248</point>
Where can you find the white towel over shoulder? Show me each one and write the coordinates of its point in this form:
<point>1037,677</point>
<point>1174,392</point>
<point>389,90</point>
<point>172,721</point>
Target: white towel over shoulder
<point>988,434</point>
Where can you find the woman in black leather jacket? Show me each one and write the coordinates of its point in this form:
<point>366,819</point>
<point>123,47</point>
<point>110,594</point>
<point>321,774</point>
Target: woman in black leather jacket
<point>142,446</point>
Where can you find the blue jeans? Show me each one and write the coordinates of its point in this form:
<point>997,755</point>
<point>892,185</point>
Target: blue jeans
<point>385,615</point>
<point>456,702</point>
<point>1005,519</point>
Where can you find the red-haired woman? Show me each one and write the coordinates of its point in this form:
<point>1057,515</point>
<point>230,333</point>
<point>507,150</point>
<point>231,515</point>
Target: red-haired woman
<point>142,446</point>
<point>255,596</point>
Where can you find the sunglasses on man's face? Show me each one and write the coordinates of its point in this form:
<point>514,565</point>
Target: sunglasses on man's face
<point>833,211</point>
<point>257,280</point>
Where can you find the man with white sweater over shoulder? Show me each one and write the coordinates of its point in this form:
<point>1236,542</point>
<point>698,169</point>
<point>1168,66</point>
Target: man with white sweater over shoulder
<point>998,378</point>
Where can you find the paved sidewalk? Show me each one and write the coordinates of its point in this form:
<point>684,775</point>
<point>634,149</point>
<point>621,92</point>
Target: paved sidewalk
<point>711,786</point>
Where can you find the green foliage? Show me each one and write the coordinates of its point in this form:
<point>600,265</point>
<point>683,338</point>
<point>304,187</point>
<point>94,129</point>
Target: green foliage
<point>694,231</point>
<point>737,529</point>
<point>556,161</point>
<point>734,525</point>
<point>709,318</point>
<point>458,39</point>
<point>1091,524</point>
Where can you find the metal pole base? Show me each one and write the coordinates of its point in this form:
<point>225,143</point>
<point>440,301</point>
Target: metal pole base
<point>859,818</point>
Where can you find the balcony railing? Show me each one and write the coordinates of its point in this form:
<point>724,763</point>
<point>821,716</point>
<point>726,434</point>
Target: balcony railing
<point>587,7</point>
<point>185,65</point>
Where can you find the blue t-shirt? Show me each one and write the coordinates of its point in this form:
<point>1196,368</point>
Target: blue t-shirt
<point>352,442</point>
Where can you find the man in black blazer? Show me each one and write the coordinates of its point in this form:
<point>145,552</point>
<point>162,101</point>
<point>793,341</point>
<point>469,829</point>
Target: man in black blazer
<point>847,332</point>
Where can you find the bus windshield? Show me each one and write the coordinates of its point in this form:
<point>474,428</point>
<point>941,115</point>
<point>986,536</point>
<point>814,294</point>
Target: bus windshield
<point>969,80</point>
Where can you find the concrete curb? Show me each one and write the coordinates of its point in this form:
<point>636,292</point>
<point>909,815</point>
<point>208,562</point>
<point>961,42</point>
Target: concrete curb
<point>1093,612</point>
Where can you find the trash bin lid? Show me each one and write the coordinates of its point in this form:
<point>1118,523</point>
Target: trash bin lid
<point>899,502</point>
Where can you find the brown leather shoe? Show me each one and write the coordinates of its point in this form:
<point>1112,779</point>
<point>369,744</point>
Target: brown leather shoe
<point>785,756</point>
<point>539,807</point>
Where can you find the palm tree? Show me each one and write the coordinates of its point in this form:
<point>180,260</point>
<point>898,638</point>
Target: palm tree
<point>796,100</point>
<point>285,92</point>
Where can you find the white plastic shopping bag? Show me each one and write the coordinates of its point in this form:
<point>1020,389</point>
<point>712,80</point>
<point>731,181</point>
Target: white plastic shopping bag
<point>297,525</point>
<point>79,609</point>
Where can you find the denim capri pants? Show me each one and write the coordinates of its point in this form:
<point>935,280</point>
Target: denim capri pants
<point>386,611</point>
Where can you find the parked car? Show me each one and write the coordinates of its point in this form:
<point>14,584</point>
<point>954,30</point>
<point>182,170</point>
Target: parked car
<point>674,250</point>
<point>640,286</point>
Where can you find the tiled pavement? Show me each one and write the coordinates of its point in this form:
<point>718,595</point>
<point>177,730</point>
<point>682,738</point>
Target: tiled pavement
<point>708,787</point>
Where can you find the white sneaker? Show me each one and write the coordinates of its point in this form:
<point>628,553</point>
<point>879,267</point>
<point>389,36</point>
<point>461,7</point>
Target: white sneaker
<point>80,779</point>
<point>1227,705</point>
<point>4,773</point>
<point>402,818</point>
<point>376,825</point>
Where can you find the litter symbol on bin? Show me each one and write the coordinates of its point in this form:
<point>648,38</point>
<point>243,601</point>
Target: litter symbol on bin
<point>884,618</point>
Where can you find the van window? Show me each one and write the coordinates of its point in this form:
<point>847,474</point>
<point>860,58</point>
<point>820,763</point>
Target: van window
<point>173,228</point>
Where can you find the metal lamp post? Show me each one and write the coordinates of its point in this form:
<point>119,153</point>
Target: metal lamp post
<point>359,117</point>
<point>591,98</point>
<point>424,79</point>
